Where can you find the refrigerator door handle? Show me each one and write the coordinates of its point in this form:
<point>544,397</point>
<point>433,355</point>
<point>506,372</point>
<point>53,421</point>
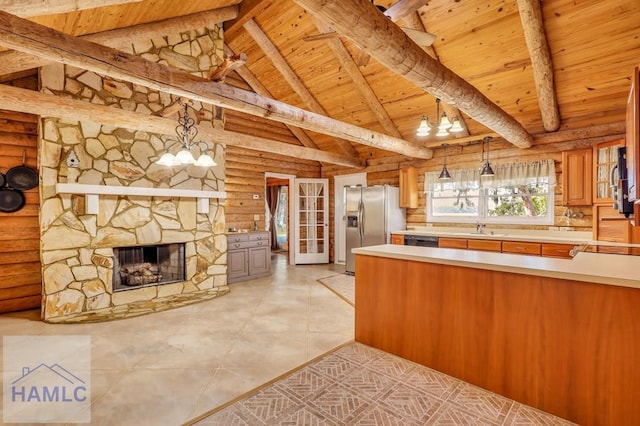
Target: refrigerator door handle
<point>361,221</point>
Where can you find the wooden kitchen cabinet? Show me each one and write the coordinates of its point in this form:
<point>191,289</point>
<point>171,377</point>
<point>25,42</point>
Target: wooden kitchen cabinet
<point>557,250</point>
<point>397,239</point>
<point>605,157</point>
<point>408,187</point>
<point>577,177</point>
<point>486,245</point>
<point>521,247</point>
<point>248,256</point>
<point>609,225</point>
<point>459,243</point>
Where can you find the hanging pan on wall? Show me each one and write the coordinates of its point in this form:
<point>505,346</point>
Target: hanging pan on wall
<point>22,177</point>
<point>11,200</point>
<point>2,181</point>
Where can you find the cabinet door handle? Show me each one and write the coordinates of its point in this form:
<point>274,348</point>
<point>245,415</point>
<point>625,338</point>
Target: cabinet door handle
<point>237,245</point>
<point>259,243</point>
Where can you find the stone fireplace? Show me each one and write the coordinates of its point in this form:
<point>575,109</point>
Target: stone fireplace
<point>83,238</point>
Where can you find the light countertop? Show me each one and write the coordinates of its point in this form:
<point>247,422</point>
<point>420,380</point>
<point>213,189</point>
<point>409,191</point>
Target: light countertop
<point>565,237</point>
<point>587,267</point>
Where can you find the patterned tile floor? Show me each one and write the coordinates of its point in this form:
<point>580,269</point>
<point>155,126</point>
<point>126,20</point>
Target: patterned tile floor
<point>360,385</point>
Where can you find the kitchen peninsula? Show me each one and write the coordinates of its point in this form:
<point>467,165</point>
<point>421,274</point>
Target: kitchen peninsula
<point>562,335</point>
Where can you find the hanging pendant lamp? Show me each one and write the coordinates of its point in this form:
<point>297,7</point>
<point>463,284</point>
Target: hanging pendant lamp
<point>487,170</point>
<point>444,174</point>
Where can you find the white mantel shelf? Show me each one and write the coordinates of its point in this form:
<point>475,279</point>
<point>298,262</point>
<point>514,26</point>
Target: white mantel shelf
<point>93,191</point>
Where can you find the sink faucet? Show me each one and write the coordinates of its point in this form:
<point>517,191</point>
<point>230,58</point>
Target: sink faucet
<point>479,228</point>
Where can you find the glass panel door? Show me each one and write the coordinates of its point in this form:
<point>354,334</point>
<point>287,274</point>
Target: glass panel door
<point>312,221</point>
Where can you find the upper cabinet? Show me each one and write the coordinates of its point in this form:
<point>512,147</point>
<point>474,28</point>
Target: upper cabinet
<point>577,181</point>
<point>408,187</point>
<point>633,136</point>
<point>605,157</point>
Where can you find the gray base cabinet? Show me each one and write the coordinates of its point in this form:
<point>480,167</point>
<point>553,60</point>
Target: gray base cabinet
<point>248,256</point>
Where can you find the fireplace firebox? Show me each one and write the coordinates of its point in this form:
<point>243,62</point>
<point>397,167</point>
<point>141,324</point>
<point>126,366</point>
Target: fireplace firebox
<point>143,266</point>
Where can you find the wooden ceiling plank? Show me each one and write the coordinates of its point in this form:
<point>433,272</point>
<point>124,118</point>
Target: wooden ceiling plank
<point>20,34</point>
<point>541,62</point>
<point>280,63</point>
<point>15,61</point>
<point>385,41</point>
<point>29,8</point>
<point>249,9</point>
<point>28,101</point>
<point>260,89</point>
<point>350,67</point>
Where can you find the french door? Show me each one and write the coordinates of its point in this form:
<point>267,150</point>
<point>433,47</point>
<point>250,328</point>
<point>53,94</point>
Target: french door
<point>311,221</point>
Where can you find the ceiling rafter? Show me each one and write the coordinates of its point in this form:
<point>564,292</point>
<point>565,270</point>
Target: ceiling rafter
<point>13,61</point>
<point>541,62</point>
<point>351,68</point>
<point>29,101</point>
<point>280,63</point>
<point>373,32</point>
<point>261,90</point>
<point>402,8</point>
<point>20,34</point>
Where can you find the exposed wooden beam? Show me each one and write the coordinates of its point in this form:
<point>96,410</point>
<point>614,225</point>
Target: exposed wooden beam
<point>15,61</point>
<point>402,8</point>
<point>458,141</point>
<point>249,9</point>
<point>20,34</point>
<point>351,68</point>
<point>28,101</point>
<point>261,90</point>
<point>280,63</point>
<point>28,8</point>
<point>541,62</point>
<point>385,41</point>
<point>608,129</point>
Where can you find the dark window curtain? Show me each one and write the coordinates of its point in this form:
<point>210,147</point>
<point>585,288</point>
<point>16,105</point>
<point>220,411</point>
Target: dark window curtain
<point>273,195</point>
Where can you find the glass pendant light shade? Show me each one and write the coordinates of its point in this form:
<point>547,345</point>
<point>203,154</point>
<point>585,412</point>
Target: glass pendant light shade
<point>185,156</point>
<point>424,128</point>
<point>442,132</point>
<point>168,159</point>
<point>444,122</point>
<point>456,127</point>
<point>205,161</point>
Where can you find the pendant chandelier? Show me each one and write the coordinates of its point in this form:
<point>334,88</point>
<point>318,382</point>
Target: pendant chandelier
<point>444,126</point>
<point>444,174</point>
<point>186,131</point>
<point>487,170</point>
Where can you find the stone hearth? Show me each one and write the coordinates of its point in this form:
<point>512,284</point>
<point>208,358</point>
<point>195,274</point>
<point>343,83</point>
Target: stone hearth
<point>78,248</point>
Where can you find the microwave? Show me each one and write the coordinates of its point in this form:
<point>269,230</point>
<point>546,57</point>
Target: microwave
<point>620,184</point>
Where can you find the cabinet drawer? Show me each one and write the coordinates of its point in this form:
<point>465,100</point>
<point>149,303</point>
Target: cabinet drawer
<point>487,245</point>
<point>236,238</point>
<point>247,244</point>
<point>556,250</point>
<point>459,243</point>
<point>259,236</point>
<point>521,247</point>
<point>397,239</point>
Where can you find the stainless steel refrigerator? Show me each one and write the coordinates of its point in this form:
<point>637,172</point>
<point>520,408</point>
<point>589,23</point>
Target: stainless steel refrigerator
<point>372,213</point>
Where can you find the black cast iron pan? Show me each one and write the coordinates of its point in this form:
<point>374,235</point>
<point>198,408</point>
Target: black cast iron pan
<point>22,177</point>
<point>11,200</point>
<point>2,181</point>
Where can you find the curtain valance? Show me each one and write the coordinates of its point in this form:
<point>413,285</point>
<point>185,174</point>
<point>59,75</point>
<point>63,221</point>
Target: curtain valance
<point>507,175</point>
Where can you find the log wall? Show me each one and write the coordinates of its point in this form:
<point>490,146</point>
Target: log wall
<point>20,278</point>
<point>245,171</point>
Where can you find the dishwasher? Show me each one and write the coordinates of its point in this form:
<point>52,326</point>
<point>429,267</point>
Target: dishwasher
<point>421,240</point>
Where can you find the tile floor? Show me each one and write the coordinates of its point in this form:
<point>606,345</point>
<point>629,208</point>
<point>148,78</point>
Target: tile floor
<point>169,367</point>
<point>360,385</point>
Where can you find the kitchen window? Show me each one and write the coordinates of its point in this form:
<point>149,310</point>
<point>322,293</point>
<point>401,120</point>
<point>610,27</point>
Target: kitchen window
<point>521,193</point>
